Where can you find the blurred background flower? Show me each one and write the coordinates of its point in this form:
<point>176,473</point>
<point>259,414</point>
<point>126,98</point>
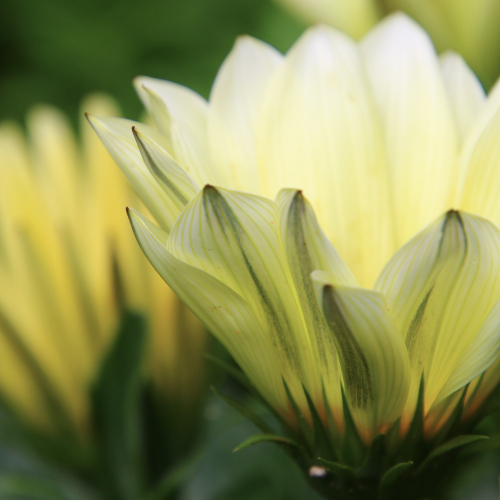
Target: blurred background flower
<point>470,27</point>
<point>70,270</point>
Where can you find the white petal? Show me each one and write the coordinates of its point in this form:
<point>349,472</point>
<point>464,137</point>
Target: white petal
<point>465,90</point>
<point>319,133</point>
<point>420,131</point>
<point>234,103</point>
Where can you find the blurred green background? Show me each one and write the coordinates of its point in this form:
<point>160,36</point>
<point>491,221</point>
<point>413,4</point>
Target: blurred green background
<point>57,51</point>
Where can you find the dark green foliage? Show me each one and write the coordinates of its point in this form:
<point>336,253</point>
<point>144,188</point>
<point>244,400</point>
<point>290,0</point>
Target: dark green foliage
<point>390,468</point>
<point>57,51</point>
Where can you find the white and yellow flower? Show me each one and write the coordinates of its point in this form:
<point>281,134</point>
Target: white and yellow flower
<point>68,268</point>
<point>382,138</point>
<point>470,27</point>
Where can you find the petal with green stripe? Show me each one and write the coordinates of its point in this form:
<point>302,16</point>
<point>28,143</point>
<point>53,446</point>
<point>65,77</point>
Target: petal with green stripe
<point>372,354</point>
<point>442,288</point>
<point>222,310</point>
<point>307,249</point>
<point>116,134</point>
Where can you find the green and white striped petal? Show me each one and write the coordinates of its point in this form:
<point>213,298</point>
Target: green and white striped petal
<point>176,183</point>
<point>372,354</point>
<point>235,101</point>
<point>235,237</point>
<point>223,311</point>
<point>306,250</point>
<point>116,134</point>
<point>441,288</point>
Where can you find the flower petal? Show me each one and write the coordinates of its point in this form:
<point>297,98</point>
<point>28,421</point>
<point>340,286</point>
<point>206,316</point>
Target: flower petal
<point>175,182</point>
<point>479,162</point>
<point>465,90</point>
<point>354,17</point>
<point>306,250</point>
<point>319,133</point>
<point>235,237</point>
<point>223,311</point>
<point>420,130</point>
<point>186,131</point>
<point>372,355</point>
<point>440,288</point>
<point>116,134</point>
<point>234,103</point>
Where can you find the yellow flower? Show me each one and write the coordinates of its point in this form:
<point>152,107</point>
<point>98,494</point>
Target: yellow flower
<point>471,27</point>
<point>68,268</point>
<point>383,138</point>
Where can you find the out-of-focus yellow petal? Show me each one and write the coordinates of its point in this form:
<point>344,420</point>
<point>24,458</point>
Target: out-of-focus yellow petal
<point>420,133</point>
<point>354,17</point>
<point>464,89</point>
<point>471,27</point>
<point>235,101</point>
<point>320,133</point>
<point>480,162</point>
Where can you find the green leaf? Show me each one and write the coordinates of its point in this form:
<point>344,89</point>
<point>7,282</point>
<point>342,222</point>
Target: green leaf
<point>375,457</point>
<point>268,438</point>
<point>172,479</point>
<point>343,472</point>
<point>394,473</point>
<point>246,412</point>
<point>115,402</point>
<point>322,443</point>
<point>353,448</point>
<point>452,444</point>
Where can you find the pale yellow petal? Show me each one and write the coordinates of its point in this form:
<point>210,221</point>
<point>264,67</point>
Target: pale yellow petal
<point>354,17</point>
<point>319,133</point>
<point>235,237</point>
<point>235,100</point>
<point>181,115</point>
<point>306,250</point>
<point>421,135</point>
<point>480,160</point>
<point>179,187</point>
<point>464,89</point>
<point>440,288</point>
